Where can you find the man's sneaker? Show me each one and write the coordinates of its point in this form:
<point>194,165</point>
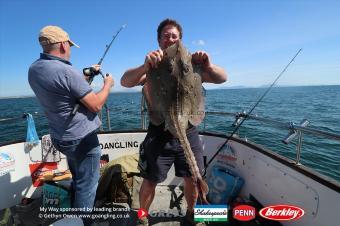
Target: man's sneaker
<point>143,222</point>
<point>188,220</point>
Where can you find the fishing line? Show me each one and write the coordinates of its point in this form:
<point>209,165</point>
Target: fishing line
<point>248,114</point>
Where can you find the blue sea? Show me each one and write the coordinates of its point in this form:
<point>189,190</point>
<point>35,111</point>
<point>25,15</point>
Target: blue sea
<point>318,104</point>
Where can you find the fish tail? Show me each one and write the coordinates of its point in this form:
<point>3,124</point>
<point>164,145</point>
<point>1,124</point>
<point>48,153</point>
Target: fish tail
<point>203,190</point>
<point>201,185</point>
<point>189,155</point>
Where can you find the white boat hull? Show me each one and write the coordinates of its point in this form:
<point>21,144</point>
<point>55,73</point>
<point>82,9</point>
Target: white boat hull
<point>269,178</point>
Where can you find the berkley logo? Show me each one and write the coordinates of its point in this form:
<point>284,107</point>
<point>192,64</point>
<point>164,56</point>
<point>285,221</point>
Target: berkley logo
<point>282,212</point>
<point>244,213</point>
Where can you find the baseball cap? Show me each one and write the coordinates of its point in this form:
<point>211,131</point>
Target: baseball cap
<point>54,34</point>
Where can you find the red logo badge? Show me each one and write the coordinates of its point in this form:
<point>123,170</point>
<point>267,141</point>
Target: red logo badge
<point>244,213</point>
<point>282,212</point>
<point>38,170</point>
<point>142,213</point>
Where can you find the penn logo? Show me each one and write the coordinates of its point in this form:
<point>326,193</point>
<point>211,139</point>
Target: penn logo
<point>282,212</point>
<point>244,213</point>
<point>142,213</point>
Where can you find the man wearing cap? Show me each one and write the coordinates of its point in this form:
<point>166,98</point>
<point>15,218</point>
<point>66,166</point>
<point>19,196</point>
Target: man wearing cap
<point>59,87</point>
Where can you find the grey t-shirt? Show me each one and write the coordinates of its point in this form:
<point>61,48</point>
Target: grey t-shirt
<point>58,87</point>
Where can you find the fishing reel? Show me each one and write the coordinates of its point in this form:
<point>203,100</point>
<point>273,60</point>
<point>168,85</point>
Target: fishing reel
<point>90,72</point>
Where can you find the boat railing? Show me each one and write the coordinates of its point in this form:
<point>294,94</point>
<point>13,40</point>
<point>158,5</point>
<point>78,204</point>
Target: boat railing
<point>108,122</point>
<point>294,130</point>
<point>286,125</point>
<point>14,119</point>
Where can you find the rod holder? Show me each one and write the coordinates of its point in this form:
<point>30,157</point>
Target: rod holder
<point>293,132</point>
<point>238,118</point>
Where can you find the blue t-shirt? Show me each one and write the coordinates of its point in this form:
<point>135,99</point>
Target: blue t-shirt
<point>58,87</point>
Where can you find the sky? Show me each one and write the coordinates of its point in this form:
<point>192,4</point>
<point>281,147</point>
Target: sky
<point>252,40</point>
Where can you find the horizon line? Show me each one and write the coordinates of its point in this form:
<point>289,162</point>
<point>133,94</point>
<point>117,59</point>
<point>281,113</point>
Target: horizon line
<point>224,87</point>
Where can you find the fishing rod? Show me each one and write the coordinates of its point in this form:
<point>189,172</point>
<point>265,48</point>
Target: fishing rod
<point>251,110</point>
<point>23,116</point>
<point>91,72</point>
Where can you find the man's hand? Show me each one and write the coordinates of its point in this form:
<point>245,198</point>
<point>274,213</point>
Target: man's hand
<point>108,80</point>
<point>91,71</point>
<point>152,59</point>
<point>96,68</point>
<point>201,57</point>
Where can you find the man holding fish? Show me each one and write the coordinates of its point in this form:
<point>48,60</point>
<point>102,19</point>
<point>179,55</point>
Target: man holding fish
<point>172,80</point>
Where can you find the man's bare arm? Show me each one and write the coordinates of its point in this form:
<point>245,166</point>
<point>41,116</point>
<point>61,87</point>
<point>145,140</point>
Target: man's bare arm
<point>137,76</point>
<point>211,72</point>
<point>95,101</point>
<point>214,74</point>
<point>133,77</point>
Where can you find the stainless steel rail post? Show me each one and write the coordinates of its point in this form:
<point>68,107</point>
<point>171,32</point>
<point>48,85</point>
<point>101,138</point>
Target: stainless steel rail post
<point>142,112</point>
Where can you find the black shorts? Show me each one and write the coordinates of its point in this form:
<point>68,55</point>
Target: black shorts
<point>161,150</point>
